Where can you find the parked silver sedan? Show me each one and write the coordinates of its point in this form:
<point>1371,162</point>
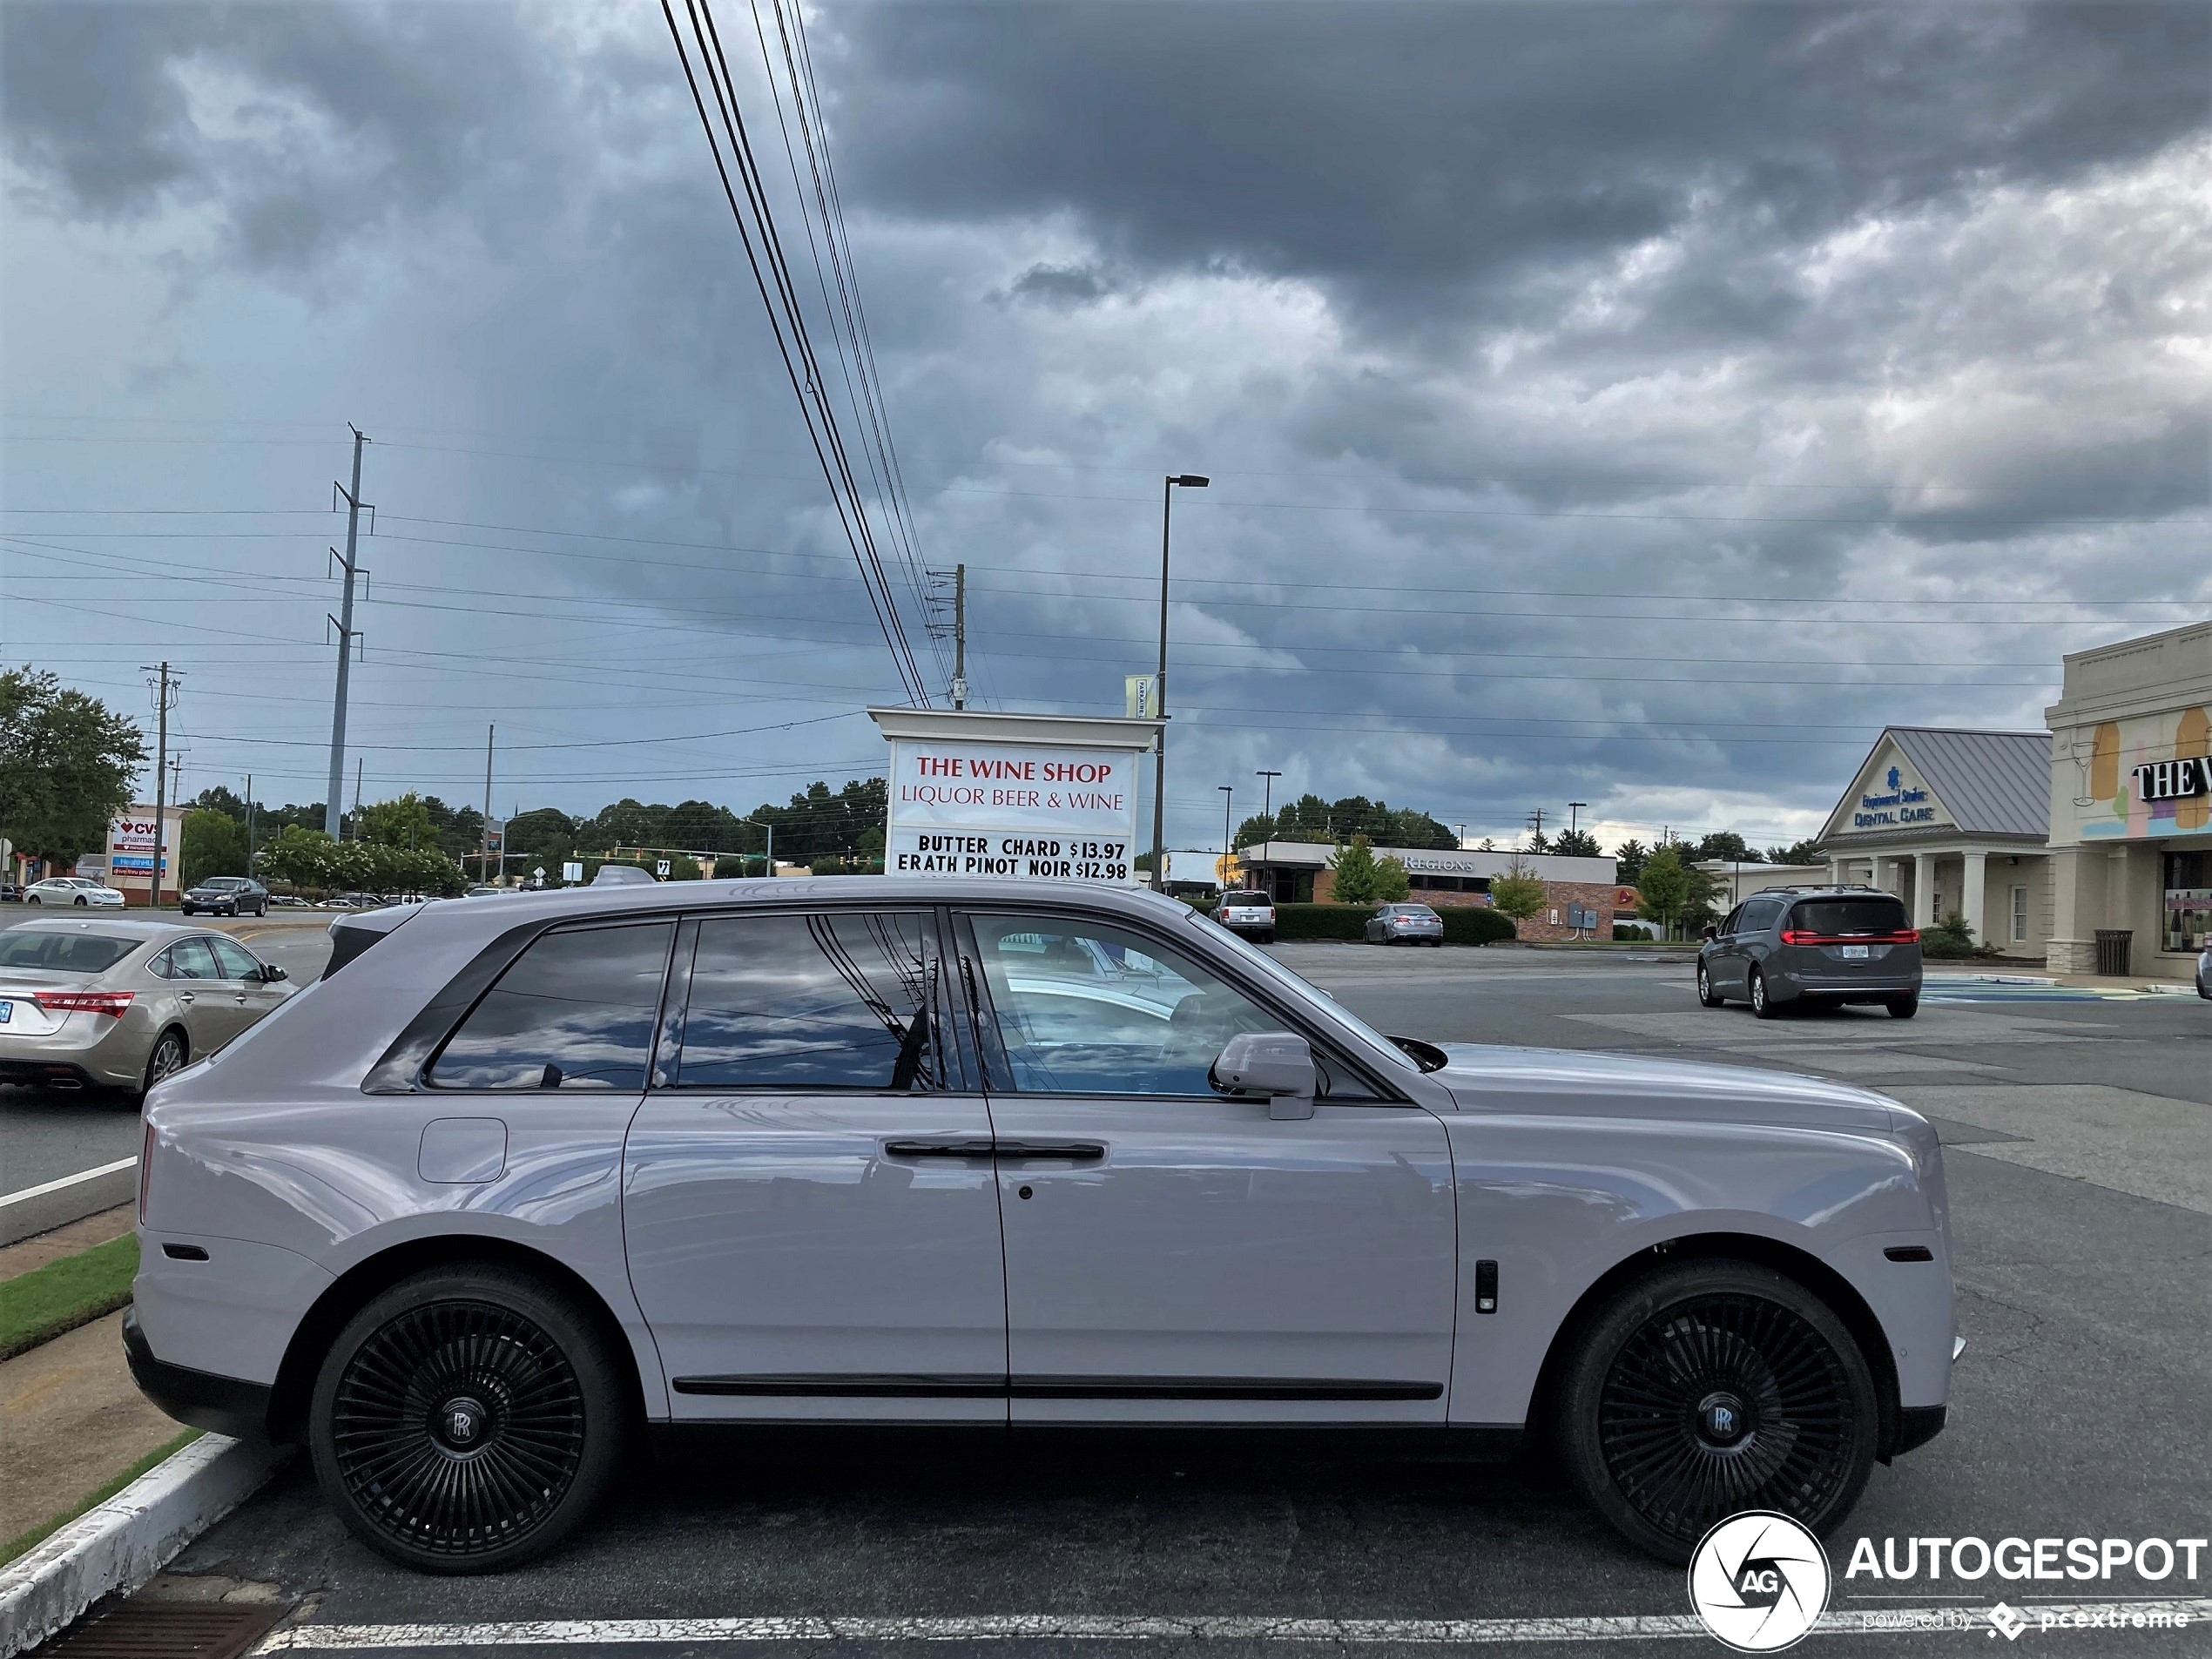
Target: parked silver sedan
<point>1405,924</point>
<point>121,1003</point>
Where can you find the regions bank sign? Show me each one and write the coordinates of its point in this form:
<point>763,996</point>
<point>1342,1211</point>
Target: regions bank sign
<point>1901,805</point>
<point>970,797</point>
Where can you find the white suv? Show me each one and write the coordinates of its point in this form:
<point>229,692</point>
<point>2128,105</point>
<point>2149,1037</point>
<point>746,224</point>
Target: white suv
<point>1250,914</point>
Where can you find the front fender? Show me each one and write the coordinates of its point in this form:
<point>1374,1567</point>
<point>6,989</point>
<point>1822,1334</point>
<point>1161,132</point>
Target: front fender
<point>1558,1203</point>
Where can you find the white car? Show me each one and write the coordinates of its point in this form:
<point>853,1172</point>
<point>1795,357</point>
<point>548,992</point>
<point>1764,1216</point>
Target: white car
<point>77,890</point>
<point>515,1180</point>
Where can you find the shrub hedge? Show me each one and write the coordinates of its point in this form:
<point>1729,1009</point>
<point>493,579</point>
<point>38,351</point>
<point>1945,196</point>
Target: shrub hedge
<point>1463,924</point>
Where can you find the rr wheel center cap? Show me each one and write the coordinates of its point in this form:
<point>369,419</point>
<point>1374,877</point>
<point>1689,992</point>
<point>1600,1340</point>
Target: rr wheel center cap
<point>462,1424</point>
<point>1721,1420</point>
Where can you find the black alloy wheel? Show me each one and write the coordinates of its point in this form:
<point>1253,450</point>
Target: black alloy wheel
<point>170,1053</point>
<point>1712,1388</point>
<point>466,1420</point>
<point>1706,993</point>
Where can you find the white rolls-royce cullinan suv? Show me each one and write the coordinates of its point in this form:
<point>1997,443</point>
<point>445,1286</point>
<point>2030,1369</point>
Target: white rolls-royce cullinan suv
<point>515,1183</point>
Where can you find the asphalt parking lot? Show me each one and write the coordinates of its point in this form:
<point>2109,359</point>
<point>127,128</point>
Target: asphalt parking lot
<point>2080,1136</point>
<point>49,1135</point>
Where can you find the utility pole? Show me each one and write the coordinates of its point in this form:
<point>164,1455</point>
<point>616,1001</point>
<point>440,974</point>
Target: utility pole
<point>249,823</point>
<point>1536,822</point>
<point>357,798</point>
<point>1575,818</point>
<point>332,812</point>
<point>164,698</point>
<point>1187,481</point>
<point>960,636</point>
<point>484,862</point>
<point>1227,796</point>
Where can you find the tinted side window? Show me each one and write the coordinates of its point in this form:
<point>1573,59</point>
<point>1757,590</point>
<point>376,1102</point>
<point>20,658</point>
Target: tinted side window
<point>236,961</point>
<point>821,1002</point>
<point>191,959</point>
<point>575,1011</point>
<point>1759,915</point>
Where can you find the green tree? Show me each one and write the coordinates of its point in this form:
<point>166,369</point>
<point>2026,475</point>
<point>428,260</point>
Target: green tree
<point>297,854</point>
<point>219,799</point>
<point>1796,853</point>
<point>1576,843</point>
<point>1628,859</point>
<point>404,822</point>
<point>66,765</point>
<point>1391,883</point>
<point>1358,875</point>
<point>214,844</point>
<point>1538,841</point>
<point>1662,888</point>
<point>1726,844</point>
<point>1518,894</point>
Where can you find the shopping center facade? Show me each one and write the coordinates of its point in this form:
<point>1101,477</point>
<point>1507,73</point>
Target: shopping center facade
<point>2042,841</point>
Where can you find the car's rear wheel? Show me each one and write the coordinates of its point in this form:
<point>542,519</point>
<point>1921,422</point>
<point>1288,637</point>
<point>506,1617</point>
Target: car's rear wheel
<point>1706,993</point>
<point>170,1053</point>
<point>1903,1008</point>
<point>1762,1004</point>
<point>466,1420</point>
<point>1713,1387</point>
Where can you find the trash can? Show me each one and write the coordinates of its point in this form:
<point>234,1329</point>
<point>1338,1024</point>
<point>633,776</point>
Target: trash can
<point>2112,949</point>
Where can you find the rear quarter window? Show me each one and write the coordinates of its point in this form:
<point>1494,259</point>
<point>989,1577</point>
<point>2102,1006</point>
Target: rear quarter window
<point>63,953</point>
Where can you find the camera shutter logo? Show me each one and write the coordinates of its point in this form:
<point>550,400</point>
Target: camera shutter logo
<point>1759,1581</point>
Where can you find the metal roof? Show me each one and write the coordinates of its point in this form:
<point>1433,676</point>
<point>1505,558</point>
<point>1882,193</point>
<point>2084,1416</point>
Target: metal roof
<point>1995,783</point>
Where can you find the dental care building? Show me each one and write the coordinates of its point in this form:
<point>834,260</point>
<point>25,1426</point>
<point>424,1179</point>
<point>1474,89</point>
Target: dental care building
<point>2041,840</point>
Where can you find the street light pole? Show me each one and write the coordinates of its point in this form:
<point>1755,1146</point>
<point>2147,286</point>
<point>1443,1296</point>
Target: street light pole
<point>1187,481</point>
<point>1227,796</point>
<point>768,863</point>
<point>1574,815</point>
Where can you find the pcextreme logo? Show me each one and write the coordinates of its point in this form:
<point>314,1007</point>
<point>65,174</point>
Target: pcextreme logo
<point>1759,1581</point>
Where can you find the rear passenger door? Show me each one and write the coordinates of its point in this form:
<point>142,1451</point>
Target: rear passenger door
<point>210,1010</point>
<point>812,1220</point>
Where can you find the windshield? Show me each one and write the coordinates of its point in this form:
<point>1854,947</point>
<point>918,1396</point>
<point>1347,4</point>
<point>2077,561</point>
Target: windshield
<point>222,883</point>
<point>70,953</point>
<point>1312,995</point>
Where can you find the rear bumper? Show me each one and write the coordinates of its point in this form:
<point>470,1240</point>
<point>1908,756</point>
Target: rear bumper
<point>224,1405</point>
<point>1916,1426</point>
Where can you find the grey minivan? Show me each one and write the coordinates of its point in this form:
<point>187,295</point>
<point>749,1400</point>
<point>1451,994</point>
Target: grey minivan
<point>1812,945</point>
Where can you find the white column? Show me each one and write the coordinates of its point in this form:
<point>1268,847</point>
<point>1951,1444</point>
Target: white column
<point>1976,879</point>
<point>1923,890</point>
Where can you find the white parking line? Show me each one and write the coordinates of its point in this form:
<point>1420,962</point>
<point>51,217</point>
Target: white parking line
<point>328,1638</point>
<point>67,1181</point>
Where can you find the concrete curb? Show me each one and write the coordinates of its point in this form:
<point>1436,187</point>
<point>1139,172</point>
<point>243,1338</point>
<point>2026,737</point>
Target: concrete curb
<point>120,1544</point>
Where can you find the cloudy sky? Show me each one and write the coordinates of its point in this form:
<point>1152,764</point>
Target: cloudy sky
<point>1630,404</point>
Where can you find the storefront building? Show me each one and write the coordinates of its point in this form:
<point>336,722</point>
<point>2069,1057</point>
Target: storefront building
<point>1578,894</point>
<point>2131,802</point>
<point>1952,822</point>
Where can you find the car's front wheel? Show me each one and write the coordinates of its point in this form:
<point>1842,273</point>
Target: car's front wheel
<point>82,903</point>
<point>1706,993</point>
<point>466,1420</point>
<point>1712,1388</point>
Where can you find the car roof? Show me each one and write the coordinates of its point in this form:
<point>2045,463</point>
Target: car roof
<point>114,927</point>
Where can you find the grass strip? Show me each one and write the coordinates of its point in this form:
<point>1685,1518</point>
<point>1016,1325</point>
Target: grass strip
<point>37,1306</point>
<point>45,1529</point>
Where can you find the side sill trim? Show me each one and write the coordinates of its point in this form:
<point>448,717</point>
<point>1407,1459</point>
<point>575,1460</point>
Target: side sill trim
<point>900,1387</point>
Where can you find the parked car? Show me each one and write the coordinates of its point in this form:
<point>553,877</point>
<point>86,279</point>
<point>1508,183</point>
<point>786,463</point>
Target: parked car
<point>226,896</point>
<point>2204,973</point>
<point>78,891</point>
<point>123,1003</point>
<point>515,1178</point>
<point>1812,945</point>
<point>1247,912</point>
<point>290,901</point>
<point>10,893</point>
<point>1405,924</point>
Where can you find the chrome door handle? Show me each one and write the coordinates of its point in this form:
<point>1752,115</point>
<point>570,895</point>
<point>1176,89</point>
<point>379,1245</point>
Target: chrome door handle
<point>187,996</point>
<point>1072,1151</point>
<point>966,1146</point>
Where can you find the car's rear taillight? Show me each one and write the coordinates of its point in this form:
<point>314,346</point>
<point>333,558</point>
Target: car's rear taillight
<point>145,1171</point>
<point>111,1003</point>
<point>1800,937</point>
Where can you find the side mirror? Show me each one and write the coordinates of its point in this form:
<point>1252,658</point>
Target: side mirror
<point>272,972</point>
<point>1711,932</point>
<point>1278,1064</point>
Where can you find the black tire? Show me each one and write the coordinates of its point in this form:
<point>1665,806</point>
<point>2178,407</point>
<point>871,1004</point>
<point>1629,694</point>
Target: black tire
<point>420,1479</point>
<point>171,1052</point>
<point>1762,1005</point>
<point>41,903</point>
<point>83,903</point>
<point>1654,1376</point>
<point>1706,993</point>
<point>1903,1008</point>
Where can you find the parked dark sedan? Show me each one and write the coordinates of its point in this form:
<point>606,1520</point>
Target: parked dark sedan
<point>226,896</point>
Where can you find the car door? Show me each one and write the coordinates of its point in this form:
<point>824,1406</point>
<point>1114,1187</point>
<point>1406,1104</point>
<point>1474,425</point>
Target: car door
<point>252,994</point>
<point>1754,938</point>
<point>811,1219</point>
<point>1173,1254</point>
<point>1723,962</point>
<point>207,1005</point>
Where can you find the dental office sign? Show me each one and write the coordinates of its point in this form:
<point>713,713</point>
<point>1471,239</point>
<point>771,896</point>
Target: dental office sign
<point>1898,804</point>
<point>1012,798</point>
